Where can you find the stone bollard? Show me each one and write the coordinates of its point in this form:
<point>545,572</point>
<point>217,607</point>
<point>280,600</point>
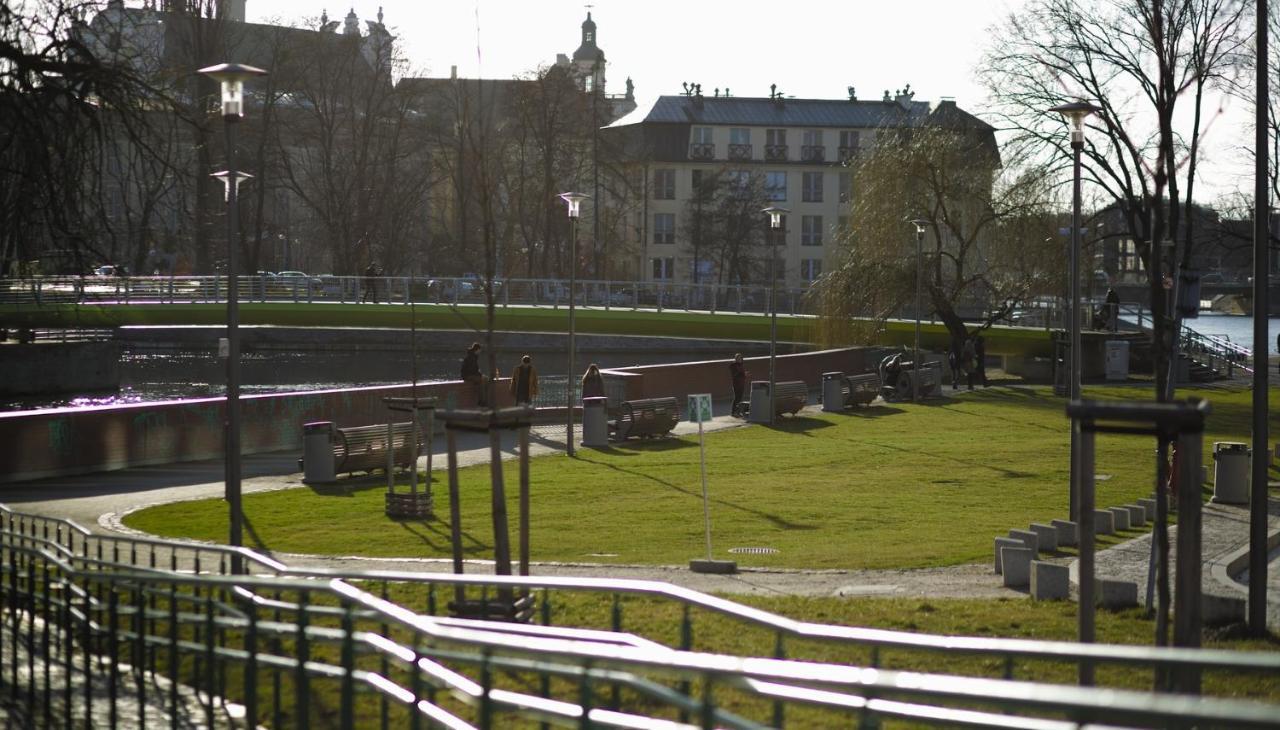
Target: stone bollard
<point>1219,610</point>
<point>1137,515</point>
<point>1029,539</point>
<point>1115,594</point>
<point>1067,534</point>
<point>1046,536</point>
<point>1119,517</point>
<point>1148,505</point>
<point>1050,582</point>
<point>1004,542</point>
<point>1017,566</point>
<point>1103,522</point>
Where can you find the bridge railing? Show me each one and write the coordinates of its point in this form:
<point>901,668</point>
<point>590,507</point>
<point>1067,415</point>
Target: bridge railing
<point>374,644</point>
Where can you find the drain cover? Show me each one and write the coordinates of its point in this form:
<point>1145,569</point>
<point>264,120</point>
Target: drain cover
<point>754,551</point>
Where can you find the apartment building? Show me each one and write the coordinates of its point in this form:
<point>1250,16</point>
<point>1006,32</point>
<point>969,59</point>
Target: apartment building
<point>797,150</point>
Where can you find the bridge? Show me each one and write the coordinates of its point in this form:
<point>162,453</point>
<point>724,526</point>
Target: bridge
<point>520,305</point>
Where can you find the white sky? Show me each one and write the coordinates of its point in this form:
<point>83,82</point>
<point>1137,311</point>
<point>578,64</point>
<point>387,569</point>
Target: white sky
<point>809,48</point>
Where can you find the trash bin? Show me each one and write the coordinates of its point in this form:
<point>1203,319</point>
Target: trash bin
<point>832,391</point>
<point>1230,472</point>
<point>595,422</point>
<point>1117,360</point>
<point>317,452</point>
<point>759,402</point>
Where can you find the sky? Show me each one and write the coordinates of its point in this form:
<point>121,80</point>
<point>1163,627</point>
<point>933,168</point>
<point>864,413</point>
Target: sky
<point>809,48</point>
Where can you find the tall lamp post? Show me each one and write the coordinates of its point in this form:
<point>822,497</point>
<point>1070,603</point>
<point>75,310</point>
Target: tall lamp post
<point>1081,503</point>
<point>920,224</point>
<point>775,224</point>
<point>231,76</point>
<point>574,201</point>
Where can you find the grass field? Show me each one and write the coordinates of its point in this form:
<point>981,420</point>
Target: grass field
<point>895,486</point>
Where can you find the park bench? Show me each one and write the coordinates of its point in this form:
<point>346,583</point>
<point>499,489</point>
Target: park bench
<point>364,448</point>
<point>860,390</point>
<point>791,396</point>
<point>646,417</point>
<point>930,383</point>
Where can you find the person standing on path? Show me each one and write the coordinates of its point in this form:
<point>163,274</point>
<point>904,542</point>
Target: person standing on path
<point>470,372</point>
<point>954,360</point>
<point>370,283</point>
<point>593,382</point>
<point>980,358</point>
<point>738,377</point>
<point>1113,310</point>
<point>524,382</point>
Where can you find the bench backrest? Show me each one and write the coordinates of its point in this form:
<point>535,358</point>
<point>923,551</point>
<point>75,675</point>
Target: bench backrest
<point>648,416</point>
<point>363,447</point>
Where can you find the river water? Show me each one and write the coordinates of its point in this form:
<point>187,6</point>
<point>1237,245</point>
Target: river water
<point>1238,328</point>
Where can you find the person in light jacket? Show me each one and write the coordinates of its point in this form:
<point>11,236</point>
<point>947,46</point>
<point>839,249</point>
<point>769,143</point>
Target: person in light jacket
<point>524,382</point>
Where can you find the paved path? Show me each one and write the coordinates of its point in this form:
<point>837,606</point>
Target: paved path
<point>100,501</point>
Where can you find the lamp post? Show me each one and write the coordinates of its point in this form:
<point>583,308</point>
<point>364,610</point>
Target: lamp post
<point>231,77</point>
<point>920,224</point>
<point>1081,498</point>
<point>574,202</point>
<point>775,224</point>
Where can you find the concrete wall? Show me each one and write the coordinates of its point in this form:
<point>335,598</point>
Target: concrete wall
<point>38,444</point>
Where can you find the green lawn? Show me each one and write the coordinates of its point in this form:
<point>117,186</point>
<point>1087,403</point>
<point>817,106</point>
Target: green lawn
<point>896,486</point>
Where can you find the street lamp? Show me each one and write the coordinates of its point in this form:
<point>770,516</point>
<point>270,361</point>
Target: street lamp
<point>231,76</point>
<point>775,224</point>
<point>920,224</point>
<point>574,201</point>
<point>1081,503</point>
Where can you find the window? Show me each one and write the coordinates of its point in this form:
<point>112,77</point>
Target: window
<point>845,182</point>
<point>812,150</point>
<point>700,271</point>
<point>813,137</point>
<point>849,140</point>
<point>664,184</point>
<point>775,145</point>
<point>663,268</point>
<point>810,269</point>
<point>664,228</point>
<point>775,186</point>
<point>702,135</point>
<point>811,230</point>
<point>1130,261</point>
<point>739,181</point>
<point>702,147</point>
<point>588,83</point>
<point>775,136</point>
<point>739,135</point>
<point>842,224</point>
<point>811,190</point>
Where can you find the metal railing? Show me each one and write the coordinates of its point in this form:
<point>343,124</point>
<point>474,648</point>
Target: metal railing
<point>401,290</point>
<point>95,626</point>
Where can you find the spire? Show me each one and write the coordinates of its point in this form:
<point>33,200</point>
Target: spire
<point>588,51</point>
<point>351,24</point>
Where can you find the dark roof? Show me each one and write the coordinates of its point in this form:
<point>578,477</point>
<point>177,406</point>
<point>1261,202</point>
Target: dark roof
<point>588,51</point>
<point>763,112</point>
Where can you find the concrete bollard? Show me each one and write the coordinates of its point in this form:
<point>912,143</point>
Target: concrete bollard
<point>1004,542</point>
<point>1204,474</point>
<point>1137,515</point>
<point>1046,536</point>
<point>1017,566</point>
<point>1219,610</point>
<point>1119,517</point>
<point>1029,539</point>
<point>1067,534</point>
<point>1049,582</point>
<point>1115,594</point>
<point>1148,505</point>
<point>1103,522</point>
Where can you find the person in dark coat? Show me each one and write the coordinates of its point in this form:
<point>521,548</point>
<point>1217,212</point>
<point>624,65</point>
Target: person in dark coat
<point>593,382</point>
<point>1113,310</point>
<point>954,360</point>
<point>470,372</point>
<point>370,283</point>
<point>738,377</point>
<point>524,381</point>
<point>980,358</point>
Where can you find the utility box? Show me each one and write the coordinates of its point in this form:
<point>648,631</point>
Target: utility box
<point>317,452</point>
<point>595,422</point>
<point>1117,360</point>
<point>760,411</point>
<point>1231,472</point>
<point>833,391</point>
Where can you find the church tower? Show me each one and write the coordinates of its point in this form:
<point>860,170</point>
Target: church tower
<point>588,60</point>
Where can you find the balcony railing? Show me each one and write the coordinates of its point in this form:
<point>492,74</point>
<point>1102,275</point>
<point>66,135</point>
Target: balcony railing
<point>813,153</point>
<point>739,151</point>
<point>702,151</point>
<point>775,153</point>
<point>848,153</point>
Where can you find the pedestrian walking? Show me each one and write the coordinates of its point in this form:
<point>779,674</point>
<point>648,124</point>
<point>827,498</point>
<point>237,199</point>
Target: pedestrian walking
<point>471,375</point>
<point>371,283</point>
<point>954,361</point>
<point>524,382</point>
<point>593,382</point>
<point>969,359</point>
<point>738,378</point>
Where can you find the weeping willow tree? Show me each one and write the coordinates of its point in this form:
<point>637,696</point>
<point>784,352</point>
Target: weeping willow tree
<point>990,243</point>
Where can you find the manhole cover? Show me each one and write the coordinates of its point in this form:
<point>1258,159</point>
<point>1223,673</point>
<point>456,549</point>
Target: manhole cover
<point>754,551</point>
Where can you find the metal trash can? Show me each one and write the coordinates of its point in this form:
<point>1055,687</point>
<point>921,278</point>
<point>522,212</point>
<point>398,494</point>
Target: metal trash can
<point>1230,472</point>
<point>759,402</point>
<point>832,391</point>
<point>317,452</point>
<point>1117,360</point>
<point>595,422</point>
